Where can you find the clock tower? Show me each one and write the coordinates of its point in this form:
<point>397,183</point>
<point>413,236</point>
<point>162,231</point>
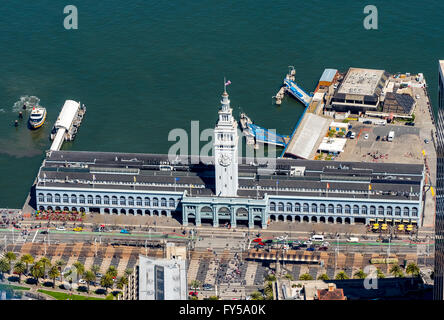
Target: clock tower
<point>225,150</point>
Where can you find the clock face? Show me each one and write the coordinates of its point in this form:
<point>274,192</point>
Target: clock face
<point>224,160</point>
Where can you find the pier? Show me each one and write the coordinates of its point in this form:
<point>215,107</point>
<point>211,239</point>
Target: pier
<point>67,124</point>
<point>290,86</point>
<point>256,134</point>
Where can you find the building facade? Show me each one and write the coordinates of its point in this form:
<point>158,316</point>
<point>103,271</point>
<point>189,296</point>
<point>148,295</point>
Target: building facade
<point>229,190</point>
<point>438,292</point>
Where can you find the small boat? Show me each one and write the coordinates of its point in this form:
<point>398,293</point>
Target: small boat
<point>37,117</point>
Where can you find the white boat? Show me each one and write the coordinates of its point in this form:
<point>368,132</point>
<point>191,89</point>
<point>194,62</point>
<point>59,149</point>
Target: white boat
<point>37,117</point>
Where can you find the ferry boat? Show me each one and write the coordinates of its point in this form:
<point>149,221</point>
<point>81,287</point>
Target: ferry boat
<point>37,117</point>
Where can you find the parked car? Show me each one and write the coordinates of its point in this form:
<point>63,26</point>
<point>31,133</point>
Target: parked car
<point>367,122</point>
<point>366,136</point>
<point>426,141</point>
<point>82,281</point>
<point>44,232</point>
<point>60,228</point>
<point>323,248</point>
<point>410,124</point>
<point>77,229</point>
<point>124,231</point>
<point>378,137</point>
<point>310,249</point>
<point>207,286</point>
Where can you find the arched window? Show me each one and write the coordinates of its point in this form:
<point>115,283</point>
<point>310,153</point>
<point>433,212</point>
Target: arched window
<point>406,211</point>
<point>130,201</point>
<point>106,200</point>
<point>364,210</point>
<point>281,206</point>
<point>289,207</point>
<point>381,210</point>
<point>114,200</point>
<point>389,211</point>
<point>297,207</point>
<point>147,202</point>
<point>314,208</point>
<point>81,198</point>
<point>122,201</point>
<point>41,197</point>
<point>322,208</point>
<point>272,206</point>
<point>331,208</point>
<point>397,211</point>
<point>57,198</point>
<point>90,199</point>
<point>305,207</point>
<point>414,212</point>
<point>98,200</point>
<point>155,202</point>
<point>163,202</point>
<point>65,198</point>
<point>172,203</point>
<point>355,209</point>
<point>73,198</point>
<point>338,208</point>
<point>372,210</point>
<point>347,209</point>
<point>139,201</point>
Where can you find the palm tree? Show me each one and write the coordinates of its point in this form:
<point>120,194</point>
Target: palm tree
<point>380,274</point>
<point>342,276</point>
<point>80,269</point>
<point>128,272</point>
<point>27,259</point>
<point>60,264</point>
<point>396,271</point>
<point>95,269</point>
<point>256,295</point>
<point>90,276</point>
<point>123,281</point>
<point>37,271</point>
<point>107,281</point>
<point>305,277</point>
<point>4,266</point>
<point>112,271</point>
<point>360,274</point>
<point>53,273</point>
<point>324,277</point>
<point>20,269</point>
<point>10,257</point>
<point>195,284</point>
<point>289,276</point>
<point>46,263</point>
<point>412,269</point>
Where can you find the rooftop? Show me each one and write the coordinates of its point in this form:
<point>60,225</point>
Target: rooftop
<point>138,173</point>
<point>360,81</point>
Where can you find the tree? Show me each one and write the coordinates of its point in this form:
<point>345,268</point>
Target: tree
<point>412,269</point>
<point>46,263</point>
<point>60,264</point>
<point>123,281</point>
<point>80,269</point>
<point>268,290</point>
<point>396,271</point>
<point>195,284</point>
<point>324,277</point>
<point>20,268</point>
<point>380,274</point>
<point>305,277</point>
<point>270,277</point>
<point>360,274</point>
<point>112,271</point>
<point>53,273</point>
<point>95,269</point>
<point>213,298</point>
<point>5,267</point>
<point>107,281</point>
<point>37,271</point>
<point>342,276</point>
<point>27,259</point>
<point>128,272</point>
<point>256,295</point>
<point>89,277</point>
<point>289,276</point>
<point>10,257</point>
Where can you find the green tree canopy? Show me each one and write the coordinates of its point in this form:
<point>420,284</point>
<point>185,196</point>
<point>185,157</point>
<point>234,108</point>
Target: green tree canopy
<point>305,277</point>
<point>53,273</point>
<point>342,276</point>
<point>324,277</point>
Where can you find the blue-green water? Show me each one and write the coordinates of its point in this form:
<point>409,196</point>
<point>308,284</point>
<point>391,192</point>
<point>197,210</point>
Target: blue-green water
<point>145,67</point>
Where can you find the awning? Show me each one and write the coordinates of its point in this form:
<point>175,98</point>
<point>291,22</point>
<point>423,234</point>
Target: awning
<point>371,220</point>
<point>388,220</point>
<point>406,221</point>
<point>414,222</point>
<point>380,220</point>
<point>397,220</point>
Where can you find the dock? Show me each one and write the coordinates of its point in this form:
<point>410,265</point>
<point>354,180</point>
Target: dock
<point>67,124</point>
<point>255,134</point>
<point>291,87</point>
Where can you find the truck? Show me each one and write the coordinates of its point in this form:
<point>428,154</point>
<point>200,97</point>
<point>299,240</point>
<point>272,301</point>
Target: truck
<point>390,136</point>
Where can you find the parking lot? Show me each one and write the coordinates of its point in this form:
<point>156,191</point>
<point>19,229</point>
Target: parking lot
<point>406,146</point>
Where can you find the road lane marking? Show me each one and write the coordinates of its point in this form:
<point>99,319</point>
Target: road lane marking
<point>35,235</point>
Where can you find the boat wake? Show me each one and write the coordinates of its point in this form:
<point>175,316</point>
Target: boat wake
<point>28,101</point>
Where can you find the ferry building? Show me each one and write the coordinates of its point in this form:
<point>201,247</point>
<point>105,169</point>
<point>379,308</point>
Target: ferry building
<point>228,189</point>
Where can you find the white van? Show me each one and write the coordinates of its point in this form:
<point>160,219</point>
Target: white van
<point>390,136</point>
<point>317,238</point>
<point>352,135</point>
<point>353,239</point>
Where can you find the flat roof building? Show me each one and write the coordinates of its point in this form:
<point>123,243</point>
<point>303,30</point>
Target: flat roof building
<point>360,90</point>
